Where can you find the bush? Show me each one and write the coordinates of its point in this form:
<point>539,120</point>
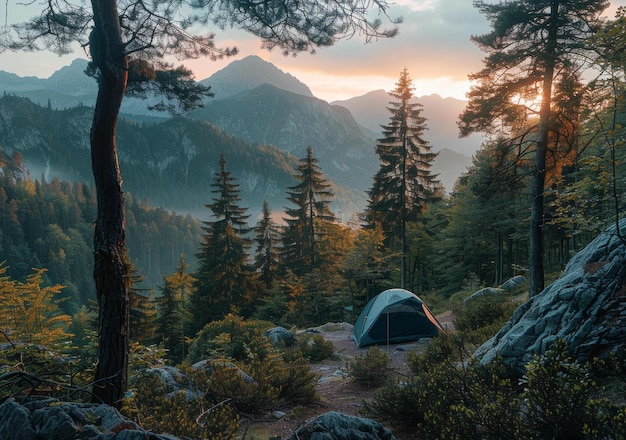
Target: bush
<point>557,398</point>
<point>315,348</point>
<point>561,399</point>
<point>245,368</point>
<point>230,338</point>
<point>190,414</point>
<point>373,369</point>
<point>445,348</point>
<point>481,318</point>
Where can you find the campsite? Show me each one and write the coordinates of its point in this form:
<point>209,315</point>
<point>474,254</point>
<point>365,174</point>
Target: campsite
<point>337,392</point>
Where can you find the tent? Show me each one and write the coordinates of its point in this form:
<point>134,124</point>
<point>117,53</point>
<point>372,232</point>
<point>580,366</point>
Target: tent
<point>393,316</point>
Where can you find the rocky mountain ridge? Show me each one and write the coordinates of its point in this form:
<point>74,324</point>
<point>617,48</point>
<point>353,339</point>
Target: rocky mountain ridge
<point>279,110</point>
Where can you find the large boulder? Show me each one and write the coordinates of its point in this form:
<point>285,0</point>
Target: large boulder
<point>51,419</point>
<point>337,426</point>
<point>586,307</point>
<point>280,337</point>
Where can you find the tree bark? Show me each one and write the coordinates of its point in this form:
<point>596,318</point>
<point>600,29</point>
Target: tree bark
<point>110,269</point>
<point>545,114</point>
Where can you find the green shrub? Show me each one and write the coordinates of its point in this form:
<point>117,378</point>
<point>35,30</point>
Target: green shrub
<point>481,318</point>
<point>234,346</point>
<point>315,347</point>
<point>189,414</point>
<point>230,338</point>
<point>562,399</point>
<point>373,369</point>
<point>557,398</point>
<point>297,381</point>
<point>445,348</point>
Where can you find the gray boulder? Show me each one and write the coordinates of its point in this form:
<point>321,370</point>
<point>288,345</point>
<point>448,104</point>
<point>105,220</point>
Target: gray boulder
<point>586,307</point>
<point>51,419</point>
<point>481,293</point>
<point>280,337</point>
<point>513,283</point>
<point>337,426</point>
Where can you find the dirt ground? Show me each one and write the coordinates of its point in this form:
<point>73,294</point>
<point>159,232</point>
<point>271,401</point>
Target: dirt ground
<point>336,391</point>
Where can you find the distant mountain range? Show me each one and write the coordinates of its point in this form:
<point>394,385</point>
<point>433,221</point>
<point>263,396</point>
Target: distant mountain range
<point>264,107</point>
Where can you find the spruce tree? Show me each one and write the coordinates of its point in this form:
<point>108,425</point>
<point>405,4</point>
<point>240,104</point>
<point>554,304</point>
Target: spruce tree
<point>305,222</point>
<point>267,253</point>
<point>404,184</point>
<point>225,280</point>
<point>174,312</point>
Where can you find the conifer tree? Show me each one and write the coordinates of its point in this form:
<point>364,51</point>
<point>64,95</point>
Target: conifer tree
<point>225,280</point>
<point>306,221</point>
<point>533,47</point>
<point>175,312</point>
<point>143,311</point>
<point>404,184</point>
<point>267,253</point>
<point>127,43</point>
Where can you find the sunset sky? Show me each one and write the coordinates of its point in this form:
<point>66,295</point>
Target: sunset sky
<point>433,44</point>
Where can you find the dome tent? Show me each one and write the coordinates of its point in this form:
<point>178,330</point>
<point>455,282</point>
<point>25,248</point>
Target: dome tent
<point>393,316</point>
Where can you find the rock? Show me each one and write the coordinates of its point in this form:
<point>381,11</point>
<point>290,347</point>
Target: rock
<point>337,426</point>
<point>280,337</point>
<point>513,283</point>
<point>14,421</point>
<point>482,292</point>
<point>51,419</point>
<point>278,415</point>
<point>586,307</point>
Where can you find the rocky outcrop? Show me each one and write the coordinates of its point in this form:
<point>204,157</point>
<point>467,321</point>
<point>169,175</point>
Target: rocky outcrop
<point>51,419</point>
<point>586,307</point>
<point>337,426</point>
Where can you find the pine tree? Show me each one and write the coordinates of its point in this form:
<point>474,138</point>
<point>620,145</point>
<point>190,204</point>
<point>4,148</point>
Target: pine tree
<point>267,253</point>
<point>305,224</point>
<point>404,184</point>
<point>534,49</point>
<point>225,280</point>
<point>174,314</point>
<point>143,311</point>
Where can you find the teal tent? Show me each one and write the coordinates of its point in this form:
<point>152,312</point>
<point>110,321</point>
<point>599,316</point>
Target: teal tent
<point>394,316</point>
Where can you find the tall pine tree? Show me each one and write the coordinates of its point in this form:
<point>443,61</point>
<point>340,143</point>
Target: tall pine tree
<point>225,280</point>
<point>404,184</point>
<point>306,221</point>
<point>534,49</point>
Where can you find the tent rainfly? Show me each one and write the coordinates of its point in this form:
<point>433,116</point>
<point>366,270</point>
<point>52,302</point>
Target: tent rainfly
<point>394,316</point>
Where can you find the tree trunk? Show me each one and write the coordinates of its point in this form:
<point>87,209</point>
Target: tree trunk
<point>110,270</point>
<point>539,178</point>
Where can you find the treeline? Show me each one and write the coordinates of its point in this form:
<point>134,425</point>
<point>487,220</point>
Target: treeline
<point>48,225</point>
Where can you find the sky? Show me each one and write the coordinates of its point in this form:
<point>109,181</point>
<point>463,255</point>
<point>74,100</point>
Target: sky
<point>433,44</point>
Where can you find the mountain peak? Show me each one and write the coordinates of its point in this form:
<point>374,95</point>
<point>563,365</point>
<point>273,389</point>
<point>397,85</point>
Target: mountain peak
<point>249,73</point>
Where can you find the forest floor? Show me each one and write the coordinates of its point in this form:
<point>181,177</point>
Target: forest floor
<point>336,392</point>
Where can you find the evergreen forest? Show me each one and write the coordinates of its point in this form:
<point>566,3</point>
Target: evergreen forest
<point>210,288</point>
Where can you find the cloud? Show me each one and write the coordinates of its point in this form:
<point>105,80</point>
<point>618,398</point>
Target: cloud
<point>433,44</point>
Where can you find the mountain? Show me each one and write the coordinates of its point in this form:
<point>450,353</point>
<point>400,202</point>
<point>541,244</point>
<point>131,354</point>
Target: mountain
<point>370,110</point>
<point>172,163</point>
<point>263,105</point>
<point>249,73</point>
<point>449,166</point>
<point>293,122</point>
